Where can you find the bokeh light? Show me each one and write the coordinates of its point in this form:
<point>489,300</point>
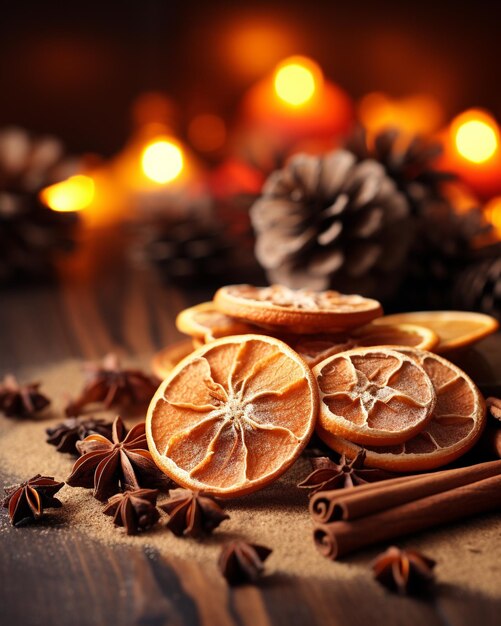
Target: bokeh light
<point>476,136</point>
<point>296,80</point>
<point>74,194</point>
<point>492,213</point>
<point>252,45</point>
<point>418,113</point>
<point>162,161</point>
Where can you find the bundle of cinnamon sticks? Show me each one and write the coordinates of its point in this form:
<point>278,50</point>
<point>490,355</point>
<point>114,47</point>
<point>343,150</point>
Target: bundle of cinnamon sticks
<point>347,520</point>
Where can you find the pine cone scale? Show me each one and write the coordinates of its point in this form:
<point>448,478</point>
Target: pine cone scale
<point>321,220</point>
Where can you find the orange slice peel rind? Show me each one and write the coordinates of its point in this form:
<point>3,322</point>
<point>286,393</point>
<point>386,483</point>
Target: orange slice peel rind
<point>373,396</point>
<point>233,416</point>
<point>205,322</point>
<point>455,329</point>
<point>296,310</point>
<point>456,424</point>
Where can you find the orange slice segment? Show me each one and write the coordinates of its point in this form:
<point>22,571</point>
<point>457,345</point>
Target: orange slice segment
<point>456,424</point>
<point>206,323</point>
<point>296,310</point>
<point>373,396</point>
<point>316,348</point>
<point>455,329</point>
<point>233,416</point>
<point>166,359</point>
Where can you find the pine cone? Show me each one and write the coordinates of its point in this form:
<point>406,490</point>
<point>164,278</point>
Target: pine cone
<point>478,287</point>
<point>442,249</point>
<point>192,250</point>
<point>410,163</point>
<point>30,233</point>
<point>328,221</point>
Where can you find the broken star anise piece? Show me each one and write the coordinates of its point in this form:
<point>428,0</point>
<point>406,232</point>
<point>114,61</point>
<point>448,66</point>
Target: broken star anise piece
<point>494,407</point>
<point>21,400</point>
<point>113,466</point>
<point>135,510</point>
<point>112,385</point>
<point>66,434</point>
<point>26,502</point>
<point>404,571</point>
<point>191,513</point>
<point>241,562</point>
<point>329,475</point>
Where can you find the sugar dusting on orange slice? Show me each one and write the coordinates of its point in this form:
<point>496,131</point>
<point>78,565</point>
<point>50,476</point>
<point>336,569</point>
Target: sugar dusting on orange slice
<point>233,416</point>
<point>456,425</point>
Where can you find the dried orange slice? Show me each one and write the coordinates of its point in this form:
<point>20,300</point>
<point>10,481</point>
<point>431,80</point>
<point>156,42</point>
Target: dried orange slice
<point>456,425</point>
<point>455,329</point>
<point>316,348</point>
<point>205,323</point>
<point>166,359</point>
<point>296,310</point>
<point>410,335</point>
<point>374,396</point>
<point>233,416</point>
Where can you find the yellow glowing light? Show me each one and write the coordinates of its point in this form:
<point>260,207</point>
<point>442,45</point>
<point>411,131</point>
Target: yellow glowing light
<point>476,136</point>
<point>73,194</point>
<point>296,80</point>
<point>162,161</point>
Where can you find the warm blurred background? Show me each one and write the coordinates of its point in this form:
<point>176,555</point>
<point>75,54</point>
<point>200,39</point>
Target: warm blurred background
<point>172,116</point>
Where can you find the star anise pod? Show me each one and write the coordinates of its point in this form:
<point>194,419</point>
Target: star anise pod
<point>494,407</point>
<point>404,571</point>
<point>241,562</point>
<point>113,466</point>
<point>21,400</point>
<point>66,434</point>
<point>135,510</point>
<point>112,385</point>
<point>329,475</point>
<point>27,501</point>
<point>191,513</point>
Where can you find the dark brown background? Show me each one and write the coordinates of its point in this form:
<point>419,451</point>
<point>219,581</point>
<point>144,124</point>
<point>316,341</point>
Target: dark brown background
<point>75,68</point>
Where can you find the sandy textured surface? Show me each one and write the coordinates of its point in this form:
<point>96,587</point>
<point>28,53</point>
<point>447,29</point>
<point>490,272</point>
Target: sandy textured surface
<point>468,554</point>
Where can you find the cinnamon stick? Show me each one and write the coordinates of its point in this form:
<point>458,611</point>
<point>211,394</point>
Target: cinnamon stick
<point>340,538</point>
<point>365,500</point>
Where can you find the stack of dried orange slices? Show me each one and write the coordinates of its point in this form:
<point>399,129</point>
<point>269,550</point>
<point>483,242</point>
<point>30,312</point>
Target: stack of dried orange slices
<point>272,364</point>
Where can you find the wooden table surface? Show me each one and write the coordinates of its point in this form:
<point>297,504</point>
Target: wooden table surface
<point>52,578</point>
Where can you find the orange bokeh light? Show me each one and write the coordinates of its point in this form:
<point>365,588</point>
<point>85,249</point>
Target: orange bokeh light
<point>476,136</point>
<point>492,212</point>
<point>162,160</point>
<point>296,80</point>
<point>73,194</point>
<point>472,151</point>
<point>207,132</point>
<point>295,102</point>
<point>418,113</point>
<point>253,46</point>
